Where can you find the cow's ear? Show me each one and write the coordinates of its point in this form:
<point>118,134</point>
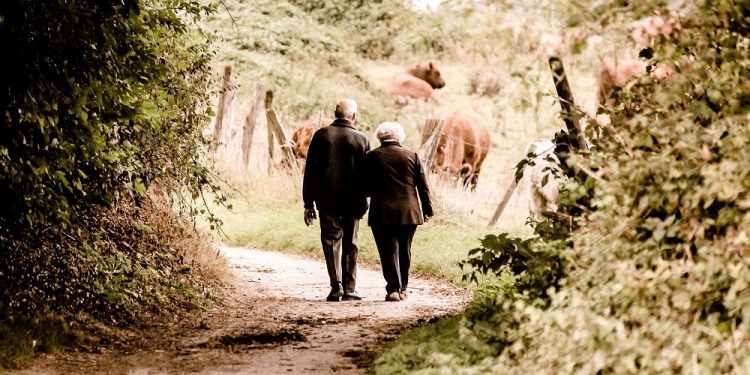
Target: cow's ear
<point>430,66</point>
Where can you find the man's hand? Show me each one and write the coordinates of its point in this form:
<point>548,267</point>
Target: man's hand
<point>310,216</point>
<point>427,219</point>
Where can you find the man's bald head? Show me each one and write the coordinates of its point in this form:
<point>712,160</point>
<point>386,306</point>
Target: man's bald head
<point>347,109</point>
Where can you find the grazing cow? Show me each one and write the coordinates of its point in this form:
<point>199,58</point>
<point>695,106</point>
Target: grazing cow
<point>416,83</point>
<point>463,146</point>
<point>542,192</point>
<point>303,135</point>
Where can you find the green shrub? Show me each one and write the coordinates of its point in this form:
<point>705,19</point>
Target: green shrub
<point>99,101</point>
<point>655,256</point>
<point>378,25</point>
<point>453,342</point>
<point>100,120</point>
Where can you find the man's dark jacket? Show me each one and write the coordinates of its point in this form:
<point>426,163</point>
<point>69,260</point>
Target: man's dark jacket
<point>396,185</point>
<point>333,170</point>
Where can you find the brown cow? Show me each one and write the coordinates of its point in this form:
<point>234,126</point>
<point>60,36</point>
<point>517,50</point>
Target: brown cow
<point>303,133</point>
<point>416,83</point>
<point>463,146</point>
<point>625,74</point>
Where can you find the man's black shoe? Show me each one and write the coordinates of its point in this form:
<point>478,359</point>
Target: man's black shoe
<point>335,294</point>
<point>351,296</point>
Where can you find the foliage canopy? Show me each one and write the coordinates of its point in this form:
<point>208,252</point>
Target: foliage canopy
<point>99,101</point>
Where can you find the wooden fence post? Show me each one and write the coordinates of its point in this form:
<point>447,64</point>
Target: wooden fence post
<point>219,121</point>
<point>318,121</point>
<point>268,102</point>
<point>430,139</point>
<point>249,129</point>
<point>503,202</point>
<point>274,127</point>
<point>228,119</point>
<point>508,193</point>
<point>577,141</point>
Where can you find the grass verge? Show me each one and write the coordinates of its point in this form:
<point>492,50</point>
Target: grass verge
<point>268,215</point>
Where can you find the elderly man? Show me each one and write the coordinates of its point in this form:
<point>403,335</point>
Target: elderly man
<point>400,200</point>
<point>332,182</point>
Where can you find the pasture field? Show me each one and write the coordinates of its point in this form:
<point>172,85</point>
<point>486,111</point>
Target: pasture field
<point>309,64</point>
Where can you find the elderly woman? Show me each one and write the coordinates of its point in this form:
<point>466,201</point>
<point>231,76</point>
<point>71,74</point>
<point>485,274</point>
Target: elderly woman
<point>400,200</point>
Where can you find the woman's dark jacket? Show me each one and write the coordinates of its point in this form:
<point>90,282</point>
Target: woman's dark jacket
<point>396,184</point>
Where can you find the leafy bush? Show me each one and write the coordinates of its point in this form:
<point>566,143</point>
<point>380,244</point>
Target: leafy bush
<point>100,122</point>
<point>99,101</point>
<point>130,260</point>
<point>535,269</point>
<point>377,25</point>
<point>654,263</point>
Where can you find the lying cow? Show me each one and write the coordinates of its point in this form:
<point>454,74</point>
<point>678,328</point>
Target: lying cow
<point>542,192</point>
<point>416,83</point>
<point>303,133</point>
<point>463,146</point>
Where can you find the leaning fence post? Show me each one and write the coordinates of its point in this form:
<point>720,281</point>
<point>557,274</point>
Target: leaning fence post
<point>269,133</point>
<point>274,127</point>
<point>503,202</point>
<point>219,121</point>
<point>508,192</point>
<point>430,139</point>
<point>577,141</point>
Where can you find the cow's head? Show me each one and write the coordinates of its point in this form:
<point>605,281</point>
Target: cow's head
<point>429,73</point>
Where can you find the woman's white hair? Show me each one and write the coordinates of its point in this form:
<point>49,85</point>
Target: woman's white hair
<point>390,131</point>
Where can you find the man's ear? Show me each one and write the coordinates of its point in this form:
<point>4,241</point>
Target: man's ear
<point>354,116</point>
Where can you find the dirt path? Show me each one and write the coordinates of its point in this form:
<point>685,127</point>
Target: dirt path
<point>274,320</point>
